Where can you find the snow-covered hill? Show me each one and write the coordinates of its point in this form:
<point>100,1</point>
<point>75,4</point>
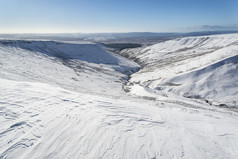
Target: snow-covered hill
<point>78,66</point>
<point>203,67</point>
<point>65,100</point>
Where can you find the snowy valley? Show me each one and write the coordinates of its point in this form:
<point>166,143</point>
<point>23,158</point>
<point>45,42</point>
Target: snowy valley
<point>204,67</point>
<point>77,99</point>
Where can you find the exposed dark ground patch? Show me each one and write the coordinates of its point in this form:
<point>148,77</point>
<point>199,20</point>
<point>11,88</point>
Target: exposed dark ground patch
<point>121,46</point>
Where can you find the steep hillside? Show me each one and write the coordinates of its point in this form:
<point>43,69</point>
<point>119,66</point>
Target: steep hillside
<point>69,65</point>
<point>197,67</point>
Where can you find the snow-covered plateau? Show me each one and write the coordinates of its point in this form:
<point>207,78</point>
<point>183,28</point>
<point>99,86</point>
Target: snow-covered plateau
<point>75,100</point>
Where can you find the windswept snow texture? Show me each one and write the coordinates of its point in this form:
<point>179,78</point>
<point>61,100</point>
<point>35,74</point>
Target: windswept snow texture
<point>203,67</point>
<point>65,100</point>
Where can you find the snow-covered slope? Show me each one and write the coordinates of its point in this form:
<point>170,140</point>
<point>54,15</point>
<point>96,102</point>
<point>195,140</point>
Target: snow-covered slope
<point>58,101</point>
<point>199,67</point>
<point>64,64</point>
<point>43,121</point>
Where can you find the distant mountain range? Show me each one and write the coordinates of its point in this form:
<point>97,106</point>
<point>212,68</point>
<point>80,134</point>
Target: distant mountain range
<point>135,37</point>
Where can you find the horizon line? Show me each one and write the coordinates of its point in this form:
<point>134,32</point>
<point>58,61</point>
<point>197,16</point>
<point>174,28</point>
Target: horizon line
<point>178,32</point>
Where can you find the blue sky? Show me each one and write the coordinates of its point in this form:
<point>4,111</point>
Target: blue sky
<point>45,16</point>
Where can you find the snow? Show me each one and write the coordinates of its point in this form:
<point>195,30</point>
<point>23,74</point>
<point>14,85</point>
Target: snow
<point>57,101</point>
<point>64,64</point>
<point>202,67</point>
<point>217,82</point>
<point>41,121</point>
